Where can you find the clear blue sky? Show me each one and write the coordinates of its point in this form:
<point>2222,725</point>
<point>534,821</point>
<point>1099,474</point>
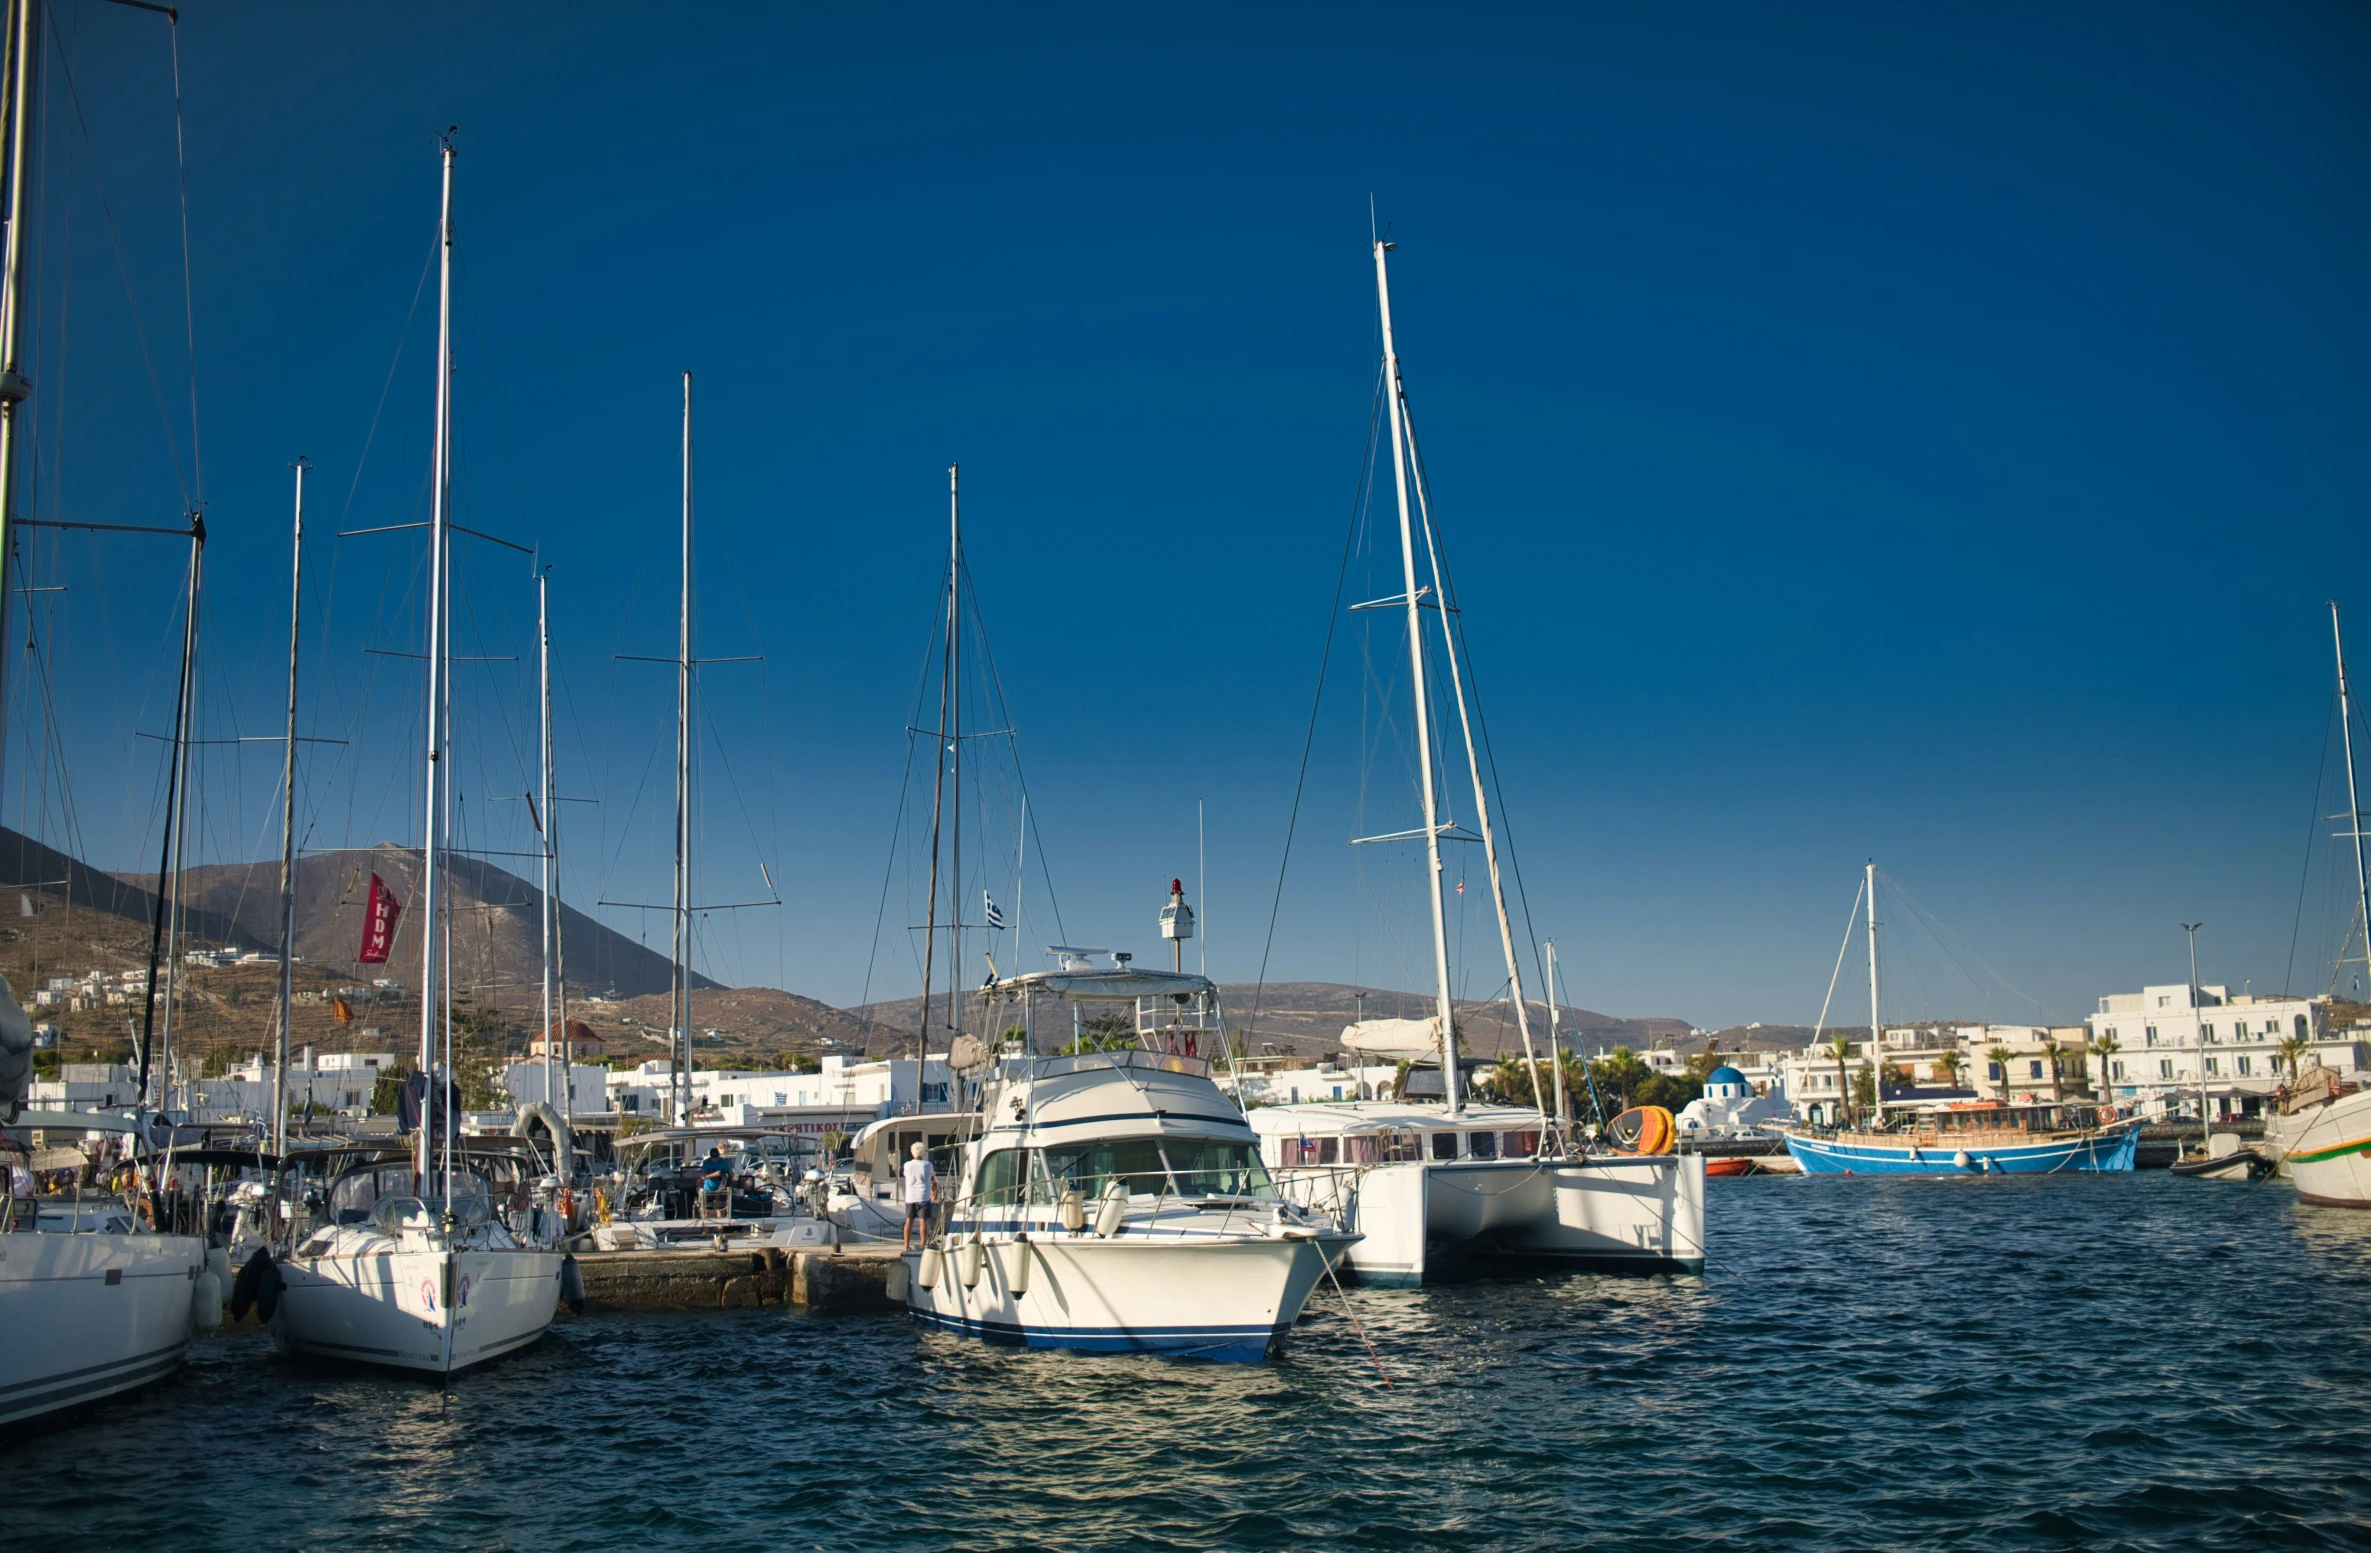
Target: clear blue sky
<point>1926,433</point>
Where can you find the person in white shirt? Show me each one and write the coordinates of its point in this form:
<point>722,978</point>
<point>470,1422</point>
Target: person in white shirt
<point>922,1190</point>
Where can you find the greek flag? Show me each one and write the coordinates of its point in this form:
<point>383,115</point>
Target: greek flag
<point>995,917</point>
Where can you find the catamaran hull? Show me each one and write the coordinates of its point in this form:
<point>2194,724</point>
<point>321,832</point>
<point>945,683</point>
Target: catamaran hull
<point>87,1316</point>
<point>2111,1151</point>
<point>1639,1214</point>
<point>2326,1151</point>
<point>1229,1300</point>
<point>434,1311</point>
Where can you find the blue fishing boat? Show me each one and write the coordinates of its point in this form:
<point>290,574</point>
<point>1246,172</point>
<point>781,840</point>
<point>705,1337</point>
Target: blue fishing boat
<point>1974,1140</point>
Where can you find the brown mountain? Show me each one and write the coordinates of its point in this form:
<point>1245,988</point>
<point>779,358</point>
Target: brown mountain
<point>1308,1016</point>
<point>497,938</point>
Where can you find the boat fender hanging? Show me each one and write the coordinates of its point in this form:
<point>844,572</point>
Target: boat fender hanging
<point>256,1287</point>
<point>1074,1212</point>
<point>1110,1211</point>
<point>1018,1281</point>
<point>1962,1160</point>
<point>572,1286</point>
<point>933,1263</point>
<point>973,1254</point>
<point>205,1302</point>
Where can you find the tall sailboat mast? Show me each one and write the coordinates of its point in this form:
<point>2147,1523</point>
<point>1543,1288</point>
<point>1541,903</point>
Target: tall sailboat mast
<point>1473,760</point>
<point>1876,1028</point>
<point>547,825</point>
<point>681,1006</point>
<point>1432,826</point>
<point>177,806</point>
<point>2354,807</point>
<point>24,53</point>
<point>939,758</point>
<point>436,1092</point>
<point>296,579</point>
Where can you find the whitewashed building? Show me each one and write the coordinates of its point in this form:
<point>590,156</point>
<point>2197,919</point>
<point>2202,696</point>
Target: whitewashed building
<point>843,1095</point>
<point>2165,1044</point>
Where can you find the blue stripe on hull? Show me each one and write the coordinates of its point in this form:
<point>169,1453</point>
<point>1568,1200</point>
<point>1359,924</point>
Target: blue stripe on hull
<point>1822,1157</point>
<point>1232,1344</point>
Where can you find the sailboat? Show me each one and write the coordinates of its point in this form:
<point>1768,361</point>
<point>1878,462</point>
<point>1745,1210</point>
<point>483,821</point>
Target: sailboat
<point>414,1269</point>
<point>1958,1138</point>
<point>94,1300</point>
<point>2321,1125</point>
<point>1417,1179</point>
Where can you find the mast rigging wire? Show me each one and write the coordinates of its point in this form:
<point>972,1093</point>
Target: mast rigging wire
<point>1333,618</point>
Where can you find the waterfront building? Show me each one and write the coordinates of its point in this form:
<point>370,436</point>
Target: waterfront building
<point>2163,1040</point>
<point>842,1096</point>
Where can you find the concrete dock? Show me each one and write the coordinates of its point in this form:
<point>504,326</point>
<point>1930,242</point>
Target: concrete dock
<point>853,1279</point>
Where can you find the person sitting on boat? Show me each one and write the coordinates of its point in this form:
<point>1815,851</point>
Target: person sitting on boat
<point>921,1178</point>
<point>716,1182</point>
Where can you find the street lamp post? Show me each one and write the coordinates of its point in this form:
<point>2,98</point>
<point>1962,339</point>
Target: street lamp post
<point>2204,1125</point>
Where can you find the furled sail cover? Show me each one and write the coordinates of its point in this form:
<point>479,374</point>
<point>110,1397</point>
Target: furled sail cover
<point>1394,1040</point>
<point>16,1053</point>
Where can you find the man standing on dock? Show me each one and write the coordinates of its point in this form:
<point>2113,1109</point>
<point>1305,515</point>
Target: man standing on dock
<point>922,1190</point>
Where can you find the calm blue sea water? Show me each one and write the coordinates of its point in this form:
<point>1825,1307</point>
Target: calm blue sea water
<point>2092,1362</point>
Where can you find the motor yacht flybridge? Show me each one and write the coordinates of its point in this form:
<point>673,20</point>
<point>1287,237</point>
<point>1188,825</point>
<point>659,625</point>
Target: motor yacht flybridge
<point>1116,1200</point>
<point>1425,1182</point>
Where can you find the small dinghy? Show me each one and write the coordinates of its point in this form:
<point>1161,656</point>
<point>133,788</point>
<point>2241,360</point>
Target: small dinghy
<point>2224,1159</point>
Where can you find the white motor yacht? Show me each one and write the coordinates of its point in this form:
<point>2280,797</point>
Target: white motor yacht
<point>863,1203</point>
<point>1115,1200</point>
<point>93,1300</point>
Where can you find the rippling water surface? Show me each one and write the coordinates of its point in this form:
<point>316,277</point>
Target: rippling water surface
<point>2020,1362</point>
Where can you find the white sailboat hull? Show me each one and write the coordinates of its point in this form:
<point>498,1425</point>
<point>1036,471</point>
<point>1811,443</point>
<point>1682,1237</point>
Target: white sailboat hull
<point>86,1316</point>
<point>2326,1151</point>
<point>1198,1297</point>
<point>429,1310</point>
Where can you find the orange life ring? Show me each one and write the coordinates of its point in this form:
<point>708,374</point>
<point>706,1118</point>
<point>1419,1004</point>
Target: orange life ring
<point>2107,1113</point>
<point>1643,1129</point>
<point>144,1209</point>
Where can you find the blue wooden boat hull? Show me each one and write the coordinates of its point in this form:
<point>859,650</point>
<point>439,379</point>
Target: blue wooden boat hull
<point>2099,1151</point>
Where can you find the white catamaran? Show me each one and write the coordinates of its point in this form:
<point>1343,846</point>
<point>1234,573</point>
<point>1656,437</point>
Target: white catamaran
<point>423,1274</point>
<point>1424,1181</point>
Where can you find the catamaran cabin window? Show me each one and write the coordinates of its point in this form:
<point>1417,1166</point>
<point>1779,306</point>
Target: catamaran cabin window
<point>1444,1145</point>
<point>1518,1145</point>
<point>1481,1145</point>
<point>1397,1148</point>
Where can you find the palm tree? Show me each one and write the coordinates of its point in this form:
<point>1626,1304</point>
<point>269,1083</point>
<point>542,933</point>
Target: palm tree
<point>2291,1050</point>
<point>2057,1087</point>
<point>1841,1049</point>
<point>1999,1057</point>
<point>2107,1046</point>
<point>1953,1064</point>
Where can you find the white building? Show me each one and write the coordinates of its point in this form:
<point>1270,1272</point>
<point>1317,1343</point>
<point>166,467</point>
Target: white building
<point>2165,1045</point>
<point>1731,1106</point>
<point>844,1095</point>
<point>529,1082</point>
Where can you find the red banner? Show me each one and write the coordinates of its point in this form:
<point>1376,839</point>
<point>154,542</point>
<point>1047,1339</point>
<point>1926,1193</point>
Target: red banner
<point>378,923</point>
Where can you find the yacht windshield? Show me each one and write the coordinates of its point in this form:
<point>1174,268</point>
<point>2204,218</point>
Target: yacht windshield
<point>1179,1167</point>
